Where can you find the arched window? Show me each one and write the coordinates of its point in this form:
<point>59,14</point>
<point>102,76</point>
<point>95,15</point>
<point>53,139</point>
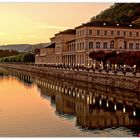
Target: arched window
<point>112,44</point>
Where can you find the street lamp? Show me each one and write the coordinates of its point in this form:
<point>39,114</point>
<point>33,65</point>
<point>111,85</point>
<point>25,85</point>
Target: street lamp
<point>82,66</point>
<point>93,67</point>
<point>107,68</point>
<point>100,69</point>
<point>78,66</point>
<point>134,71</point>
<point>115,69</point>
<point>88,67</point>
<point>124,69</point>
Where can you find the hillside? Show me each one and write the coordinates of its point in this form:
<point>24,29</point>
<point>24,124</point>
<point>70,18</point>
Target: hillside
<point>22,47</point>
<point>123,13</point>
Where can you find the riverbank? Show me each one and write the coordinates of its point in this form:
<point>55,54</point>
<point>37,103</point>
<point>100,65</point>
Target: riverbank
<point>124,82</point>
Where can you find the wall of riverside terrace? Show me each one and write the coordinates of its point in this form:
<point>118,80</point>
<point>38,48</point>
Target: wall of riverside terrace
<point>124,82</point>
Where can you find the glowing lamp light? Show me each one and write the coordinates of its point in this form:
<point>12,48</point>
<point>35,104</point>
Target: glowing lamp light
<point>100,102</point>
<point>124,110</point>
<point>134,113</point>
<point>115,107</point>
<point>94,100</point>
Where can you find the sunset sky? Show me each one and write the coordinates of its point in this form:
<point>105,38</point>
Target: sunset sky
<point>37,22</point>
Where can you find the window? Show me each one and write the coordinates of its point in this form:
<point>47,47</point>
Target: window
<point>105,33</point>
<point>112,33</point>
<point>137,46</point>
<point>118,33</point>
<point>124,33</point>
<point>111,44</point>
<point>130,45</point>
<point>97,44</point>
<point>125,45</point>
<point>105,45</point>
<point>83,32</point>
<point>83,46</point>
<point>78,33</point>
<point>98,32</point>
<point>137,34</point>
<point>90,32</point>
<point>77,46</point>
<point>90,45</point>
<point>80,45</point>
<point>130,34</point>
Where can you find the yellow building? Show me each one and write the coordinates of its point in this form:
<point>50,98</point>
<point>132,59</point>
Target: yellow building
<point>73,46</point>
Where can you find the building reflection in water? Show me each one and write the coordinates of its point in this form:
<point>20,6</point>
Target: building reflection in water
<point>94,106</point>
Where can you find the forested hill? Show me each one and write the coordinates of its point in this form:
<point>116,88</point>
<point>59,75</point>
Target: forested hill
<point>22,47</point>
<point>123,13</point>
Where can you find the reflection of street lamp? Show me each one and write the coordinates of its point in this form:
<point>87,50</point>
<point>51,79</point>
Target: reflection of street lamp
<point>100,102</point>
<point>134,112</point>
<point>107,104</point>
<point>115,107</point>
<point>124,110</point>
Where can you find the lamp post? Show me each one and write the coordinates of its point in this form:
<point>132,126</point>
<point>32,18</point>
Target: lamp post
<point>82,66</point>
<point>100,69</point>
<point>107,68</point>
<point>115,69</point>
<point>88,67</point>
<point>78,66</point>
<point>124,69</point>
<point>73,66</point>
<point>134,71</point>
<point>69,66</point>
<point>93,67</point>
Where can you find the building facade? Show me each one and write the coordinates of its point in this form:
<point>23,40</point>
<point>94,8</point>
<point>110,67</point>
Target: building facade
<point>74,45</point>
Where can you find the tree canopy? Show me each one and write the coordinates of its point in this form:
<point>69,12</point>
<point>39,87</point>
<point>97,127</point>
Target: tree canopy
<point>120,13</point>
<point>129,58</point>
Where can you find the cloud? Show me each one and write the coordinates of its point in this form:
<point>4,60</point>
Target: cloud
<point>53,27</point>
<point>31,36</point>
<point>4,34</point>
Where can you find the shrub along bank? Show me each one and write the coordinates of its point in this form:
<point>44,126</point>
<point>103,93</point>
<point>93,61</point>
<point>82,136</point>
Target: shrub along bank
<point>27,57</point>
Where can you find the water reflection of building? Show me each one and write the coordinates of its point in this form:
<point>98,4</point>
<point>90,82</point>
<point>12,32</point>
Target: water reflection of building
<point>64,103</point>
<point>94,107</point>
<point>91,110</point>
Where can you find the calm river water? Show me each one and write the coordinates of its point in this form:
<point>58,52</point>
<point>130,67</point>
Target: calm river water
<point>33,105</point>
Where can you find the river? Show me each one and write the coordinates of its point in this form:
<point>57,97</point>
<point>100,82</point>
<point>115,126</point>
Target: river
<point>33,105</point>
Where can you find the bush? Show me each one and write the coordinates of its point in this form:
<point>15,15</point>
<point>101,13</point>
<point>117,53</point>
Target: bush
<point>27,57</point>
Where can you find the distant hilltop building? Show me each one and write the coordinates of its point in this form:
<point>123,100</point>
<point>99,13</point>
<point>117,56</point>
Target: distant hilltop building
<point>73,46</point>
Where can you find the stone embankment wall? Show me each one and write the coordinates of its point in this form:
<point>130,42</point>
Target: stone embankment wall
<point>124,82</point>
